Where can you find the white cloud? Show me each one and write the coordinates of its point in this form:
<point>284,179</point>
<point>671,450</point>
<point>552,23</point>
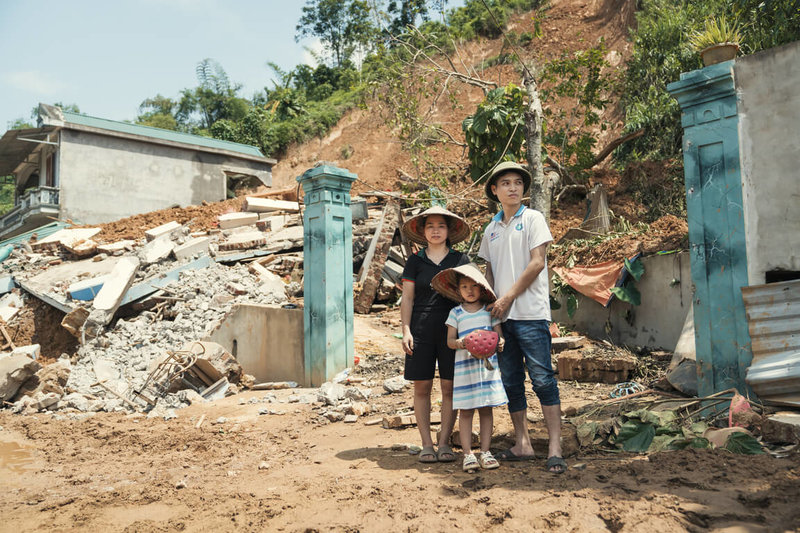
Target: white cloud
<point>33,81</point>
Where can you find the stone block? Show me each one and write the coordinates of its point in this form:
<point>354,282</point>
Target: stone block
<point>50,379</point>
<point>192,247</point>
<point>162,230</point>
<point>582,366</point>
<point>234,220</point>
<point>156,250</point>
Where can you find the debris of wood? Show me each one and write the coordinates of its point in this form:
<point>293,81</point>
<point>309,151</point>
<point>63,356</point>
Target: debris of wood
<point>372,267</point>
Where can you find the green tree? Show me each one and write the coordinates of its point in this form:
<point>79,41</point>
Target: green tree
<point>158,112</point>
<point>214,99</point>
<point>341,25</point>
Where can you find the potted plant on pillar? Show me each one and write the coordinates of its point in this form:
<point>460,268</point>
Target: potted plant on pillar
<point>718,41</point>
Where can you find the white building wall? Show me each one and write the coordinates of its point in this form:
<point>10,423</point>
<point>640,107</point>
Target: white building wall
<point>769,138</point>
<point>104,178</point>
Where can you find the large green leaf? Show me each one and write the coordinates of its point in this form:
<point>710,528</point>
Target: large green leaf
<point>572,305</point>
<point>743,443</point>
<point>586,433</point>
<point>634,268</point>
<point>635,436</point>
<point>696,442</point>
<point>628,293</point>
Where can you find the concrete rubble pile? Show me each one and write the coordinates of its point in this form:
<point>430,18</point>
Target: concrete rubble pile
<point>139,309</point>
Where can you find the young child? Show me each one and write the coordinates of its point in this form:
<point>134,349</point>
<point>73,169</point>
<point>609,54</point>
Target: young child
<point>475,386</point>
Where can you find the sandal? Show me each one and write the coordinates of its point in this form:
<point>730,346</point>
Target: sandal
<point>427,455</point>
<point>488,462</point>
<point>445,454</point>
<point>556,462</point>
<point>470,463</point>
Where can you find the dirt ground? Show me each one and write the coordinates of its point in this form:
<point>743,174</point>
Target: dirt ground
<point>292,471</point>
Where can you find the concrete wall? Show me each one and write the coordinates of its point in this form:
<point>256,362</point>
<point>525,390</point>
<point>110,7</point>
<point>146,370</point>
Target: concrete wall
<point>266,340</point>
<point>657,323</point>
<point>104,178</point>
<point>769,140</point>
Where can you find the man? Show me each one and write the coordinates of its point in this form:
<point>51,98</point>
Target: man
<point>514,247</point>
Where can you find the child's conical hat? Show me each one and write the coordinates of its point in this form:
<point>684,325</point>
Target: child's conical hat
<point>445,282</point>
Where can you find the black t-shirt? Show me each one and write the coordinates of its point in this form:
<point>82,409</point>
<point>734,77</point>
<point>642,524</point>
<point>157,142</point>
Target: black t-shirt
<point>430,308</point>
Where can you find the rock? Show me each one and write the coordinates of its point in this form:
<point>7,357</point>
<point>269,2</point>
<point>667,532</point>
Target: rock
<point>180,484</point>
<point>44,401</point>
<point>50,379</point>
<point>331,393</point>
<point>14,371</point>
<point>220,420</point>
<point>357,394</point>
<point>334,416</point>
<point>220,361</point>
<point>189,396</point>
<point>395,384</point>
<point>358,409</point>
<point>350,419</point>
<point>263,465</point>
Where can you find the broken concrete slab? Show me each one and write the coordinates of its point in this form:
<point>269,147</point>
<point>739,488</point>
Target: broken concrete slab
<point>156,250</point>
<point>560,344</point>
<point>273,286</point>
<point>15,370</point>
<point>67,237</point>
<point>116,247</point>
<point>82,248</point>
<point>192,247</point>
<point>371,268</point>
<point>234,220</point>
<point>265,205</point>
<point>602,368</point>
<point>87,289</point>
<point>6,284</point>
<point>782,427</point>
<point>111,295</point>
<point>243,241</point>
<point>10,305</point>
<point>151,285</point>
<point>164,229</point>
<point>213,358</point>
<point>31,350</point>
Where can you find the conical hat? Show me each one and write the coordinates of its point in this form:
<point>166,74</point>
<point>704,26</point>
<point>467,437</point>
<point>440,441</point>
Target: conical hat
<point>445,282</point>
<point>414,228</point>
<point>502,168</point>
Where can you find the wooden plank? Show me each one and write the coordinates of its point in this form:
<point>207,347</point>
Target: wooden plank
<point>372,279</point>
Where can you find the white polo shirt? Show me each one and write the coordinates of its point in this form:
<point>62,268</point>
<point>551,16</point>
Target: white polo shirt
<point>507,248</point>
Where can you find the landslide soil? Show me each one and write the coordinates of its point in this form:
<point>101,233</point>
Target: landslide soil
<point>116,472</point>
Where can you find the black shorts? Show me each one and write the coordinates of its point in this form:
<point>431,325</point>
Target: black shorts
<point>427,352</point>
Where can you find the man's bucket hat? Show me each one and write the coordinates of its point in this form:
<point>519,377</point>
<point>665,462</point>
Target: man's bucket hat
<point>414,228</point>
<point>446,284</point>
<point>502,168</point>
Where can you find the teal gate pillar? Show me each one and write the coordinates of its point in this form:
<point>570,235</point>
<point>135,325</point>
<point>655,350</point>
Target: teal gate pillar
<point>327,272</point>
<point>716,225</point>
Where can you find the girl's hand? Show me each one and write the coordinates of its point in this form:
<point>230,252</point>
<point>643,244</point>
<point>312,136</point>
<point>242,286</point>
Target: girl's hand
<point>501,343</point>
<point>408,343</point>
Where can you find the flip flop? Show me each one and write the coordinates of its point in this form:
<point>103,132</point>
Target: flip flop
<point>443,453</point>
<point>427,455</point>
<point>556,462</point>
<point>508,455</point>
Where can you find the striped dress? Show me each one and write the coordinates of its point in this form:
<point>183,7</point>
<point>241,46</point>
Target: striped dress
<point>473,385</point>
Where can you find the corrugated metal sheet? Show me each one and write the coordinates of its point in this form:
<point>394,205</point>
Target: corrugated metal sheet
<point>773,317</point>
<point>41,232</point>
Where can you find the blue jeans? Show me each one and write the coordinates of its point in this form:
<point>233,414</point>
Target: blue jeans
<point>527,345</point>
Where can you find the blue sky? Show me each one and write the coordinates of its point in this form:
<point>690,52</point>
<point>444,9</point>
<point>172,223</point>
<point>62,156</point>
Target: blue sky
<point>107,56</point>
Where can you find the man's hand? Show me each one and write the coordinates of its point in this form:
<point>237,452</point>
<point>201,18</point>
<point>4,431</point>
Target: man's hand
<point>500,307</point>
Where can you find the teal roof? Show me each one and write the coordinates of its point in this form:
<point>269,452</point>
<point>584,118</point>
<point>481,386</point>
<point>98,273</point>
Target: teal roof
<point>160,134</point>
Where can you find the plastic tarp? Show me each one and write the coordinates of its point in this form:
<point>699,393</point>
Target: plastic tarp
<point>596,281</point>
